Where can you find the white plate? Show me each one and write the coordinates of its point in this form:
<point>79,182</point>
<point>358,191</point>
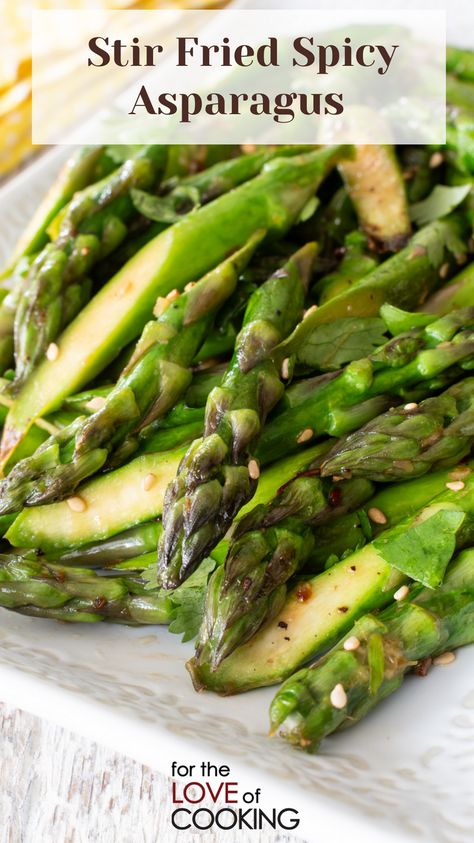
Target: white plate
<point>406,773</point>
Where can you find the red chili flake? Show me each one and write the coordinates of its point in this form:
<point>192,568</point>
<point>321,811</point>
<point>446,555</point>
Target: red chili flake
<point>423,666</point>
<point>303,592</point>
<point>335,496</point>
<point>100,602</point>
<point>247,582</point>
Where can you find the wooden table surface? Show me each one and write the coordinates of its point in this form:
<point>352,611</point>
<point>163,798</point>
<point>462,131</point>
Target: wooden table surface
<point>57,787</point>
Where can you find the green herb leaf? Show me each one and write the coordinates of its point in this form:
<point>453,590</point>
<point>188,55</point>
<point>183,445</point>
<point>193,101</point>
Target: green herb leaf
<point>309,209</point>
<point>400,321</point>
<point>441,201</point>
<point>423,550</point>
<point>188,599</point>
<point>336,343</point>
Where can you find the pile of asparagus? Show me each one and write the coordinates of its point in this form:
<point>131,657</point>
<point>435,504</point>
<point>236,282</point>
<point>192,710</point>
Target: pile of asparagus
<point>237,399</point>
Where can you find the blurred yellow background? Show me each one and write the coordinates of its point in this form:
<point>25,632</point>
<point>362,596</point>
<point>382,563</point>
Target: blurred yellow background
<point>15,64</point>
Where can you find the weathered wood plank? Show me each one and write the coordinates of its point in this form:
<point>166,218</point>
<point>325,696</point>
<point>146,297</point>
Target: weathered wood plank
<point>57,787</point>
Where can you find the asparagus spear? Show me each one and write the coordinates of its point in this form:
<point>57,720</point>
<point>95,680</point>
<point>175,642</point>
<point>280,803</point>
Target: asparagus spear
<point>372,660</point>
<point>82,168</point>
<point>326,411</point>
<point>199,188</point>
<point>219,473</point>
<point>119,311</point>
<point>320,609</point>
<point>154,379</point>
<point>79,595</point>
<point>356,263</point>
<point>92,225</point>
<point>270,545</point>
<point>409,441</point>
<point>367,390</point>
<point>134,552</point>
<point>375,184</point>
<point>117,500</point>
<point>336,405</point>
<point>273,542</point>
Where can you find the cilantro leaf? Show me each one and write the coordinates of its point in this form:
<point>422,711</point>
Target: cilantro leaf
<point>188,600</point>
<point>441,201</point>
<point>334,344</point>
<point>424,549</point>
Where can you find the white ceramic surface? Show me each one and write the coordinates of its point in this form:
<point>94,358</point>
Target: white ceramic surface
<point>405,774</point>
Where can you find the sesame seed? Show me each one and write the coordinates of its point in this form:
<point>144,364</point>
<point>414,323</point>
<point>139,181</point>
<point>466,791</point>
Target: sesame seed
<point>444,658</point>
<point>305,435</point>
<point>444,270</point>
<point>189,286</point>
<point>436,160</point>
<point>96,403</point>
<point>338,696</point>
<point>174,294</point>
<point>254,470</point>
<point>148,482</point>
<point>402,592</point>
<point>85,251</point>
<point>285,369</point>
<point>160,306</point>
<point>411,406</point>
<point>346,476</point>
<point>310,310</point>
<point>125,289</point>
<point>351,643</point>
<point>417,252</point>
<point>455,485</point>
<point>459,472</point>
<point>52,352</point>
<point>376,515</point>
<point>77,504</point>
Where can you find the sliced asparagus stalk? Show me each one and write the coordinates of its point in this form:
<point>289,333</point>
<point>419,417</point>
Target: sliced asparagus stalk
<point>119,311</point>
<point>375,184</point>
<point>219,473</point>
<point>156,376</point>
<point>372,660</point>
<point>92,225</point>
<point>319,610</point>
